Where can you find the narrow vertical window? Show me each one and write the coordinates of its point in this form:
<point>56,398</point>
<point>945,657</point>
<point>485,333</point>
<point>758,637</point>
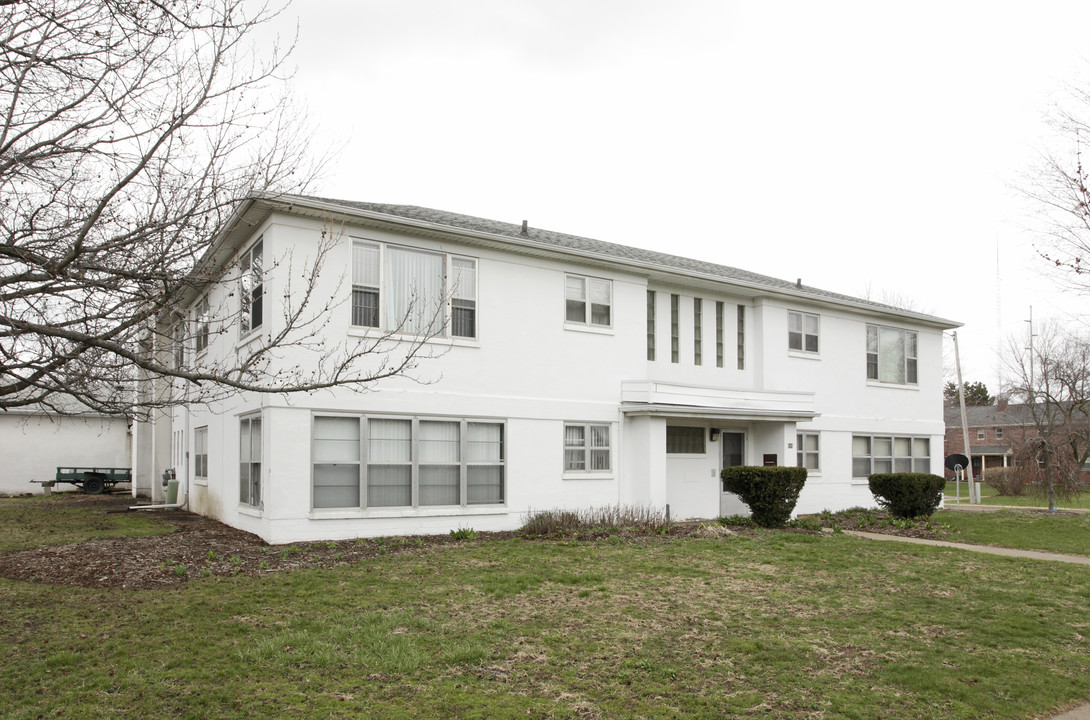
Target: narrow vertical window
<point>179,346</point>
<point>650,324</point>
<point>719,334</point>
<point>675,312</point>
<point>484,463</point>
<point>365,284</point>
<point>440,462</point>
<point>741,337</point>
<point>200,315</point>
<point>200,453</point>
<point>463,309</point>
<point>252,290</point>
<point>389,463</point>
<point>250,461</point>
<point>698,331</point>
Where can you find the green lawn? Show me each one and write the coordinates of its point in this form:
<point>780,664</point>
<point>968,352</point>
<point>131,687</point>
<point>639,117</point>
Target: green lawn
<point>56,520</point>
<point>1019,529</point>
<point>989,497</point>
<point>780,625</point>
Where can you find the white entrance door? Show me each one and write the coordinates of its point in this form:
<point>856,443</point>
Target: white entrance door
<point>733,446</point>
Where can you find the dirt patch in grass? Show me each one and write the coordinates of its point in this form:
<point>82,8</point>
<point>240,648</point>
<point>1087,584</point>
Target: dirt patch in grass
<point>197,546</point>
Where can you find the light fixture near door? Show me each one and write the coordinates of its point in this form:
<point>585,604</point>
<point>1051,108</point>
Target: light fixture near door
<point>713,434</point>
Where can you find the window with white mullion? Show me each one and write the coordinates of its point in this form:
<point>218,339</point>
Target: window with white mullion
<point>366,281</point>
<point>413,291</point>
<point>888,454</point>
<point>587,448</point>
<point>588,301</point>
<point>336,457</point>
<point>892,355</point>
<point>439,463</point>
<point>389,463</point>
<point>484,463</point>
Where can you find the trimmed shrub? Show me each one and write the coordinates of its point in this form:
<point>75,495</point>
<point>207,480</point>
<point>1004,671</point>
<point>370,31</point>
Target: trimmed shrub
<point>770,492</point>
<point>1008,481</point>
<point>907,495</point>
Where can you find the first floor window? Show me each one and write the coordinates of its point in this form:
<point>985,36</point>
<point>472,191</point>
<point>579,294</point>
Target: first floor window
<point>200,453</point>
<point>420,292</point>
<point>682,440</point>
<point>888,454</point>
<point>406,462</point>
<point>586,448</point>
<point>807,445</point>
<point>891,355</point>
<point>249,490</point>
<point>588,301</point>
<point>802,332</point>
<point>336,454</point>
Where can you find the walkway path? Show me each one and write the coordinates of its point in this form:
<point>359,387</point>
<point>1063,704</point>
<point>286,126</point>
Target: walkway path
<point>950,505</point>
<point>1079,713</point>
<point>1009,552</point>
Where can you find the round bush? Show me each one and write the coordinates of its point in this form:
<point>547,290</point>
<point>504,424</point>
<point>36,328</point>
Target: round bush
<point>770,492</point>
<point>907,495</point>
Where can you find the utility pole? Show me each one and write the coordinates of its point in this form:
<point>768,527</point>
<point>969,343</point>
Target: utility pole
<point>973,499</point>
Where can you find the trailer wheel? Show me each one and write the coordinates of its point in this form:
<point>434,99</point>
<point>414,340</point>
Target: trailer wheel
<point>93,484</point>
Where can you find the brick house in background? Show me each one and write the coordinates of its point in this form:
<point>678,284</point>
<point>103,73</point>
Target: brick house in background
<point>993,432</point>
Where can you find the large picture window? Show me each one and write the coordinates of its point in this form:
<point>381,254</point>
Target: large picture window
<point>888,454</point>
<point>588,301</point>
<point>249,489</point>
<point>892,355</point>
<point>406,462</point>
<point>419,292</point>
<point>252,288</point>
<point>586,448</point>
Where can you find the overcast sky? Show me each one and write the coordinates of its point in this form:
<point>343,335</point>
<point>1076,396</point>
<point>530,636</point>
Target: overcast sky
<point>873,149</point>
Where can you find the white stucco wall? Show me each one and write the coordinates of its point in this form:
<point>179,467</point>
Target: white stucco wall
<point>34,445</point>
<point>532,371</point>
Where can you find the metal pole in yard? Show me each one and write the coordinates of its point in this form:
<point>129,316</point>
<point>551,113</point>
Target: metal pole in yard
<point>973,499</point>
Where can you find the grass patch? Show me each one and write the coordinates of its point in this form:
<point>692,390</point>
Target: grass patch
<point>773,624</point>
<point>1019,529</point>
<point>989,496</point>
<point>44,521</point>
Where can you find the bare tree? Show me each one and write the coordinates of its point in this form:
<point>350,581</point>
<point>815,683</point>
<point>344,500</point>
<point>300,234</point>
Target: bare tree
<point>130,133</point>
<point>1059,186</point>
<point>1049,371</point>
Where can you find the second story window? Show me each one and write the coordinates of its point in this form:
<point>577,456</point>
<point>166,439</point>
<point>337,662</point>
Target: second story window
<point>698,331</point>
<point>650,324</point>
<point>252,288</point>
<point>891,355</point>
<point>401,289</point>
<point>802,332</point>
<point>588,301</point>
<point>201,317</point>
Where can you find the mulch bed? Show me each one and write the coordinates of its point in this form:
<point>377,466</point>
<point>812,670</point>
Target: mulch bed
<point>198,546</point>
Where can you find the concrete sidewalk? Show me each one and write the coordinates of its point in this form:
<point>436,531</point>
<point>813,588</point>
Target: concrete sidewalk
<point>988,549</point>
<point>1079,713</point>
<point>947,504</point>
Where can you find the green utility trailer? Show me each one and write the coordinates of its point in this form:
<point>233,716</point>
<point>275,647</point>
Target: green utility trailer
<point>94,480</point>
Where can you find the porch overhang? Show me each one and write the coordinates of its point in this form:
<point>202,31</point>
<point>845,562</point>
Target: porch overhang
<point>665,399</point>
<point>701,412</point>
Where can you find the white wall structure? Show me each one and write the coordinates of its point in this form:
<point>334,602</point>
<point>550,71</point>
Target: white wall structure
<point>34,443</point>
<point>567,373</point>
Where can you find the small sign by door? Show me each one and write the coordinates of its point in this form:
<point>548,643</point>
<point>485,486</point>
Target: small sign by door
<point>770,460</point>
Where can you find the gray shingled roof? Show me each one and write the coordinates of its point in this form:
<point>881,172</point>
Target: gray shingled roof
<point>599,247</point>
<point>988,415</point>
